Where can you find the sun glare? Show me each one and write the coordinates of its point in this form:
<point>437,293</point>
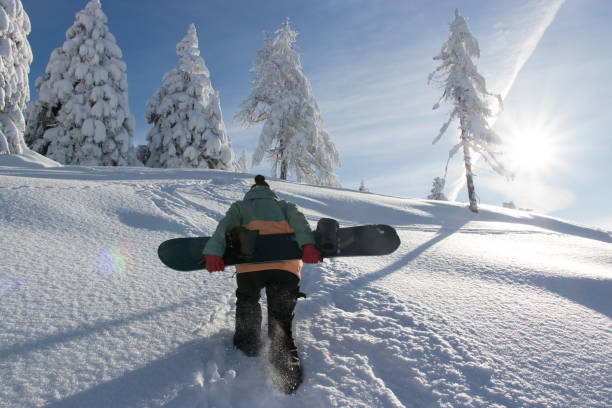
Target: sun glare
<point>531,151</point>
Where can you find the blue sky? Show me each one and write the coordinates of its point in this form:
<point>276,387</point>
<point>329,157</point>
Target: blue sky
<point>368,63</point>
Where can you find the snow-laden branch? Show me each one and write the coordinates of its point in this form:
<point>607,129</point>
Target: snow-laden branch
<point>292,137</point>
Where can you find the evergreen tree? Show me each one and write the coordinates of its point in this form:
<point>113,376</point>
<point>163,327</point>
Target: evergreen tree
<point>15,59</point>
<point>242,165</point>
<point>465,88</point>
<point>82,115</point>
<point>188,129</point>
<point>292,137</point>
<point>437,191</point>
<point>362,187</point>
<point>142,153</point>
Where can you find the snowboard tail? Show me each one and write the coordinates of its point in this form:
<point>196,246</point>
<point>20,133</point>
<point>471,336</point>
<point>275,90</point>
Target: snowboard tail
<point>245,246</point>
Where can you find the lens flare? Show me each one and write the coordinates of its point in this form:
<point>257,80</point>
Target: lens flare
<point>113,261</point>
<point>6,287</point>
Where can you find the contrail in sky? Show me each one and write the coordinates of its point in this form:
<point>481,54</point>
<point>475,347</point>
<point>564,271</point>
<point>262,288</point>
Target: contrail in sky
<point>532,42</point>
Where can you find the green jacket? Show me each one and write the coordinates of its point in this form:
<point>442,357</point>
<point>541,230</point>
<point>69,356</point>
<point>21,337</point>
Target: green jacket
<point>261,210</point>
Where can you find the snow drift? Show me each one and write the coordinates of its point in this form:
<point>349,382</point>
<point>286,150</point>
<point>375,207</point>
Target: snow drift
<point>500,308</point>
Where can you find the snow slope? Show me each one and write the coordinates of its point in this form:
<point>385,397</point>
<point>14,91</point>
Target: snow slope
<point>500,308</point>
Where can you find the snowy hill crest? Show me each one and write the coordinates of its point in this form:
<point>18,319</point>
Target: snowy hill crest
<point>500,308</point>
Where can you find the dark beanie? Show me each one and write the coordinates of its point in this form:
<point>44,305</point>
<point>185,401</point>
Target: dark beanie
<point>260,181</point>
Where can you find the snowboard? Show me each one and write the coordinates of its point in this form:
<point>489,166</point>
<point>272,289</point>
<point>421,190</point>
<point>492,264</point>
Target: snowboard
<point>246,246</point>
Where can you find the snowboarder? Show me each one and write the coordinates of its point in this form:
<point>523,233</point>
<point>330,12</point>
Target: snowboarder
<point>262,210</point>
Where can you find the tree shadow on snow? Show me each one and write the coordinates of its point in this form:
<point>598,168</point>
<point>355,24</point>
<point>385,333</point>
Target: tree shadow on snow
<point>170,381</point>
<point>596,294</point>
<point>150,222</point>
<point>445,210</point>
<point>102,173</point>
<point>89,329</point>
<point>445,231</point>
<point>405,213</point>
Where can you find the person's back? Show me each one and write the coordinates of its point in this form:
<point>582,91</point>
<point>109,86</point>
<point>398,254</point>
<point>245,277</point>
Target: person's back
<point>261,210</point>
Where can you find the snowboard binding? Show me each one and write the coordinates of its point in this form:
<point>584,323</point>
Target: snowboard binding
<point>326,236</point>
<point>240,242</point>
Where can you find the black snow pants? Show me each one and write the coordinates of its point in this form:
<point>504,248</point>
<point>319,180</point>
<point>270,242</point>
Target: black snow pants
<point>282,292</point>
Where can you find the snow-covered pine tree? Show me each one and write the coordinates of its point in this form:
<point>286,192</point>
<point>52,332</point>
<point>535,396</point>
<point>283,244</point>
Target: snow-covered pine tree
<point>281,98</point>
<point>15,59</point>
<point>242,165</point>
<point>465,88</point>
<point>142,153</point>
<point>82,115</point>
<point>363,188</point>
<point>188,129</point>
<point>437,191</point>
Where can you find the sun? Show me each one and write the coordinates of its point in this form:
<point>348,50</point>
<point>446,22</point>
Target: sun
<point>530,151</point>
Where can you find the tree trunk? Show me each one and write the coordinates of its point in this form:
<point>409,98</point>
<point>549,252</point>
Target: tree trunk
<point>467,158</point>
<point>4,146</point>
<point>283,171</point>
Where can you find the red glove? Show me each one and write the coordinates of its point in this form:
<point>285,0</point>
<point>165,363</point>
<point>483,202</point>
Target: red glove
<point>310,254</point>
<point>214,263</point>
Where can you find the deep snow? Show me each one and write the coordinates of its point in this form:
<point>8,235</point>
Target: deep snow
<point>499,308</point>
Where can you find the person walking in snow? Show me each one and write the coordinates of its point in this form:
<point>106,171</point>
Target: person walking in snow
<point>261,210</point>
